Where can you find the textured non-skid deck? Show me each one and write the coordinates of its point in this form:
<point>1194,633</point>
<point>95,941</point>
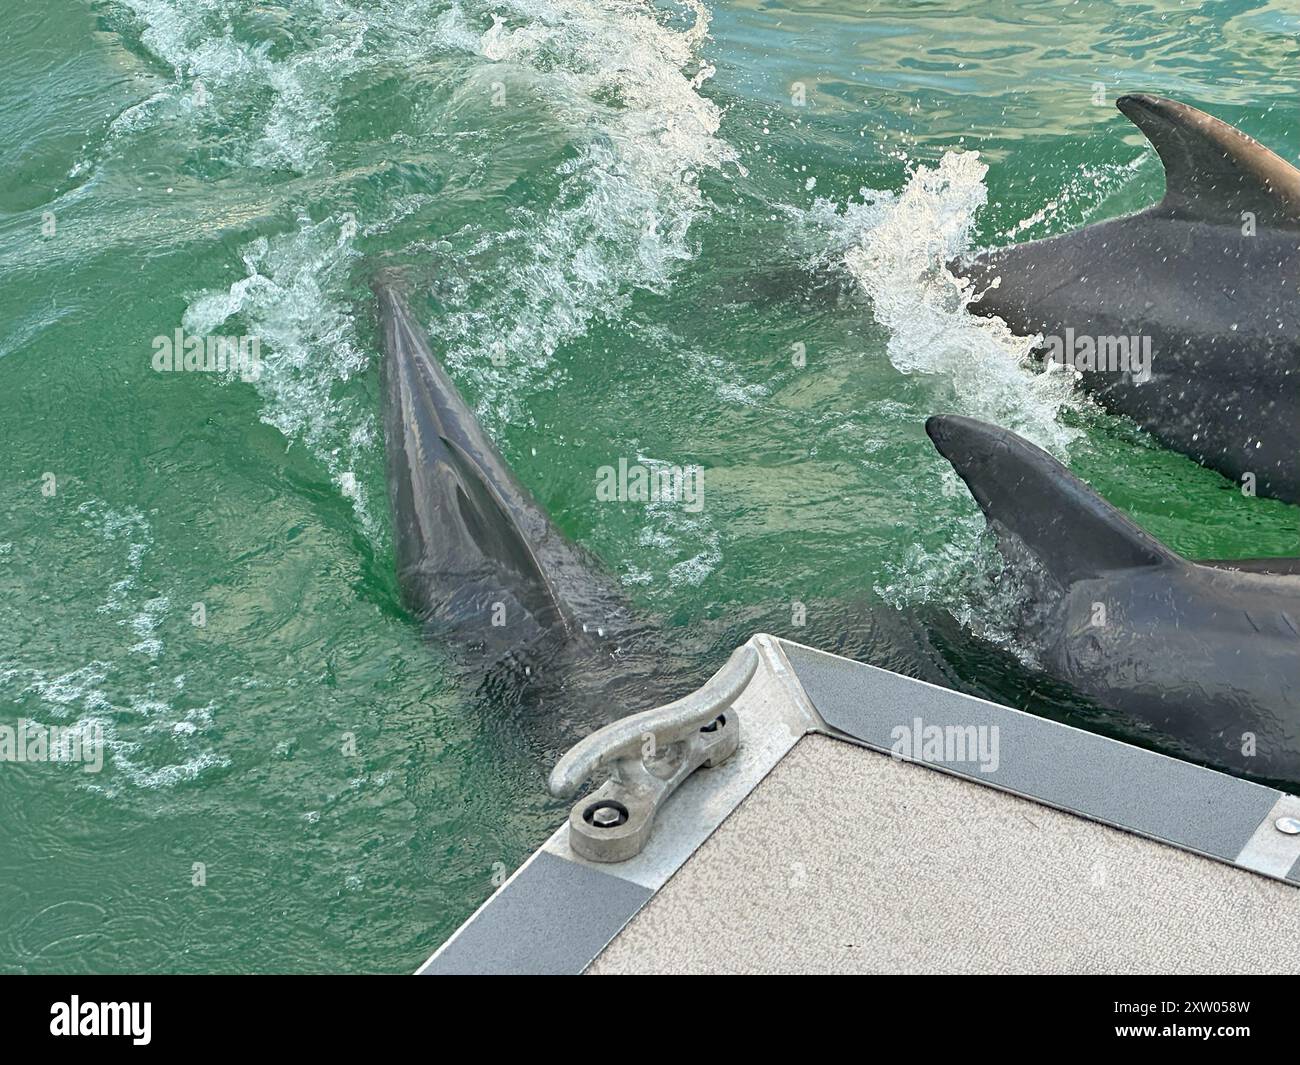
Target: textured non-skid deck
<point>847,860</point>
<point>1019,845</point>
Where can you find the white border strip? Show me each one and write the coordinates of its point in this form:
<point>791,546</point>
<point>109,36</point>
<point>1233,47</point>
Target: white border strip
<point>1271,851</point>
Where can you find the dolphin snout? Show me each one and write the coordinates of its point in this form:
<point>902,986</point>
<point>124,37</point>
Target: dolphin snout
<point>1144,109</point>
<point>1134,101</point>
<point>963,441</point>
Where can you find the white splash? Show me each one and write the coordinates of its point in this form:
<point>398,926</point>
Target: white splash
<point>897,245</point>
<point>617,81</point>
<point>132,703</point>
<point>79,697</point>
<point>291,299</point>
<point>286,101</point>
<point>624,87</point>
<point>671,531</point>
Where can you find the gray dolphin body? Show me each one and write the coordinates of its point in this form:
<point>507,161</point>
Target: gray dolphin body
<point>1211,275</point>
<point>527,620</point>
<point>477,556</point>
<point>529,617</point>
<point>1206,654</point>
<point>479,561</point>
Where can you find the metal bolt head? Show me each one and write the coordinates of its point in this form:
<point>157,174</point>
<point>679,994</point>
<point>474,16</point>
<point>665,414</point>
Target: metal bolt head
<point>606,816</point>
<point>1289,825</point>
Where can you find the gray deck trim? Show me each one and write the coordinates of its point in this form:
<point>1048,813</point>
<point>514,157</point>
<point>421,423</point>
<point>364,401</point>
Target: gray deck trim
<point>550,919</point>
<point>1099,778</point>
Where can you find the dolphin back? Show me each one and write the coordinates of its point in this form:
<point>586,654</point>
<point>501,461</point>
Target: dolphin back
<point>1184,316</point>
<point>1207,655</point>
<point>476,553</point>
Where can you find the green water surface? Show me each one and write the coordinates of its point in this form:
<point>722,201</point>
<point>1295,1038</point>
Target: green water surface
<point>606,209</point>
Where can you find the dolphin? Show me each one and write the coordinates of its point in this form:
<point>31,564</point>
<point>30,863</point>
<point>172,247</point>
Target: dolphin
<point>1204,654</point>
<point>533,618</point>
<point>528,620</point>
<point>1185,316</point>
<point>478,558</point>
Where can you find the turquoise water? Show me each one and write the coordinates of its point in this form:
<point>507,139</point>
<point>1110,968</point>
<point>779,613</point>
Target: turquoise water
<point>615,216</point>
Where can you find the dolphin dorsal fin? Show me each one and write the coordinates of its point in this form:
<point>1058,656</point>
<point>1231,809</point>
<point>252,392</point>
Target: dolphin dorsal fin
<point>462,520</point>
<point>1213,171</point>
<point>1023,491</point>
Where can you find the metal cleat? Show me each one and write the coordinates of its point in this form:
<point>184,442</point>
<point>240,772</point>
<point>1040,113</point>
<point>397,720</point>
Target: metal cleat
<point>648,755</point>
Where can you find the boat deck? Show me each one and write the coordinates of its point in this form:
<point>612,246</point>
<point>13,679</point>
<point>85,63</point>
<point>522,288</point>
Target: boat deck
<point>821,846</point>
